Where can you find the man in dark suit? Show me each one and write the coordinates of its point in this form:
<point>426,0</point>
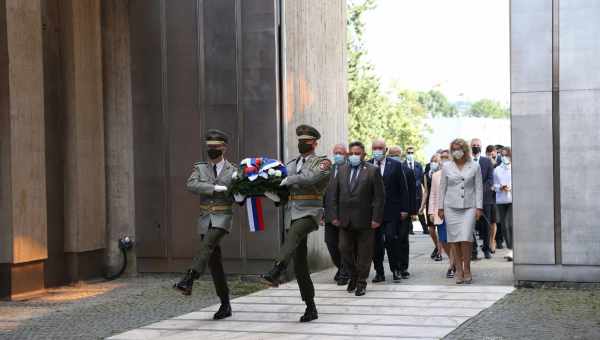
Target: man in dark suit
<point>358,206</point>
<point>340,155</point>
<point>397,207</point>
<point>489,198</point>
<point>395,153</point>
<point>418,171</point>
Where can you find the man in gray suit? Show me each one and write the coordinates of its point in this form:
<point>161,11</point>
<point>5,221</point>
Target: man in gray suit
<point>210,181</point>
<point>358,210</point>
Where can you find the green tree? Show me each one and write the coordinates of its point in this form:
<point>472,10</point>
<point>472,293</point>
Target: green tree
<point>436,104</point>
<point>397,117</point>
<point>487,108</point>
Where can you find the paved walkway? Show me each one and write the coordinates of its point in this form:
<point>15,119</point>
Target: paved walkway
<point>426,306</point>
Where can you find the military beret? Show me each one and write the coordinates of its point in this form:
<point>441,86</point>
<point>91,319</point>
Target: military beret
<point>307,132</point>
<point>215,137</point>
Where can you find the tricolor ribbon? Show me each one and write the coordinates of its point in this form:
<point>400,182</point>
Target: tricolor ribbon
<point>256,218</point>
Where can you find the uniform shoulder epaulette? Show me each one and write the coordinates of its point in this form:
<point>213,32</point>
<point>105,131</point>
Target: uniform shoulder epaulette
<point>291,161</point>
<point>200,163</point>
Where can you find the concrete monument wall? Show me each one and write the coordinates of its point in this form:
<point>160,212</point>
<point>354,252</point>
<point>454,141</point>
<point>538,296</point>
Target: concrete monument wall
<point>555,82</point>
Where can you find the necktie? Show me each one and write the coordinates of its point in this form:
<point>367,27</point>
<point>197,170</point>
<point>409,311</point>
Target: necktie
<point>215,170</point>
<point>412,167</point>
<point>300,164</point>
<point>353,177</point>
<point>379,166</point>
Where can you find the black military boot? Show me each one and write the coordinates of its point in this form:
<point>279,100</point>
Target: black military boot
<point>186,284</point>
<point>224,311</point>
<point>272,277</point>
<point>310,313</point>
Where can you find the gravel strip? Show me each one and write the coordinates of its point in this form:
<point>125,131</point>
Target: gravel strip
<point>541,313</point>
<point>95,310</point>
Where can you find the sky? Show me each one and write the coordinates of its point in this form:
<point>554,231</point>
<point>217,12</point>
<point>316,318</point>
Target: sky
<point>459,46</point>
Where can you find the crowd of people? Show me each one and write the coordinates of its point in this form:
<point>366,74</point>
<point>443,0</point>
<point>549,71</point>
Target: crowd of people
<point>368,207</point>
<point>459,197</point>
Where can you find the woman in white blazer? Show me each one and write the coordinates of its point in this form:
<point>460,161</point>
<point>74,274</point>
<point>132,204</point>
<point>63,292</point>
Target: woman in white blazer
<point>460,205</point>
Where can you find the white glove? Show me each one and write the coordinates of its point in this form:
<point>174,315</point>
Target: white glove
<point>272,196</point>
<point>239,198</point>
<point>220,188</point>
<point>283,182</point>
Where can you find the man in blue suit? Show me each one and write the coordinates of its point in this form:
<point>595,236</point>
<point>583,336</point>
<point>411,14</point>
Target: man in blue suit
<point>418,171</point>
<point>489,199</point>
<point>393,231</point>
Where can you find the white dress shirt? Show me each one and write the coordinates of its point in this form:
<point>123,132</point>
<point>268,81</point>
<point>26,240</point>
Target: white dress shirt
<point>382,166</point>
<point>219,165</point>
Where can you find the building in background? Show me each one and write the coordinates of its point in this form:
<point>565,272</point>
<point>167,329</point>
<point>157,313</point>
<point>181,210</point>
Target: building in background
<point>103,106</point>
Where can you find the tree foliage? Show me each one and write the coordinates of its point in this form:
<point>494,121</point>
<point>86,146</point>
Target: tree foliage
<point>487,108</point>
<point>436,104</point>
<point>399,117</point>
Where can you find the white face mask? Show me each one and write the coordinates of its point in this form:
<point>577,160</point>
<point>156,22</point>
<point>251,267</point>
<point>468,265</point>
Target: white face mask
<point>505,160</point>
<point>458,154</point>
<point>434,167</point>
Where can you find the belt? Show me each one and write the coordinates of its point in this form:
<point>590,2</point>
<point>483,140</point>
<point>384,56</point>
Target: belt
<point>306,197</point>
<point>216,208</point>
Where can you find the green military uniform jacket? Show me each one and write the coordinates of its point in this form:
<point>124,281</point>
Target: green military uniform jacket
<point>215,207</point>
<point>306,188</point>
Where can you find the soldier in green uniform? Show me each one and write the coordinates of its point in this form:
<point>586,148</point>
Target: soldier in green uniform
<point>308,176</point>
<point>210,181</point>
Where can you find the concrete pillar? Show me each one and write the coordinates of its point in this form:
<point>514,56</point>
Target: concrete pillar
<point>85,199</point>
<point>23,234</point>
<point>555,87</point>
<point>118,119</point>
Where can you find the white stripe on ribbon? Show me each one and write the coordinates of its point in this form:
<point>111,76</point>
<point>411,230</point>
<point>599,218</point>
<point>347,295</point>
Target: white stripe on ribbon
<point>250,212</point>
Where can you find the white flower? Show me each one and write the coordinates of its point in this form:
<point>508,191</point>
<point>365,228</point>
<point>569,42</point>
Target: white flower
<point>277,173</point>
<point>234,175</point>
<point>271,172</point>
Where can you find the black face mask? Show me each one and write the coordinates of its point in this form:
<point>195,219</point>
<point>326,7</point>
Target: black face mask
<point>304,148</point>
<point>476,150</point>
<point>214,153</point>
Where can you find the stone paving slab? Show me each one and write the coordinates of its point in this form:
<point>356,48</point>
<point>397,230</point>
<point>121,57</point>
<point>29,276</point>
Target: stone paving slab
<point>268,314</point>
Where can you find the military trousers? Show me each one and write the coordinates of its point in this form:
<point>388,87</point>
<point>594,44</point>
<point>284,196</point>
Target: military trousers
<point>295,248</point>
<point>209,254</point>
<point>357,246</point>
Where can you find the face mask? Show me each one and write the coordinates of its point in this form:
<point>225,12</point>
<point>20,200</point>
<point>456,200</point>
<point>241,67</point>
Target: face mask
<point>378,155</point>
<point>214,153</point>
<point>410,157</point>
<point>304,147</point>
<point>396,158</point>
<point>476,150</point>
<point>505,160</point>
<point>339,159</point>
<point>458,154</point>
<point>354,160</point>
<point>434,167</point>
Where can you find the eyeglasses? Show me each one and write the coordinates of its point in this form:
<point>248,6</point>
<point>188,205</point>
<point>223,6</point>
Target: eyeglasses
<point>410,153</point>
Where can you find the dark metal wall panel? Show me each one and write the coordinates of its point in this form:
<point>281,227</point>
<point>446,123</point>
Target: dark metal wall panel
<point>259,108</point>
<point>149,127</point>
<point>184,123</point>
<point>220,86</point>
<point>200,64</point>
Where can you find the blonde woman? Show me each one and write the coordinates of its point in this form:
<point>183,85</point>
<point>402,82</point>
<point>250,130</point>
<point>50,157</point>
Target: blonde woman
<point>460,205</point>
